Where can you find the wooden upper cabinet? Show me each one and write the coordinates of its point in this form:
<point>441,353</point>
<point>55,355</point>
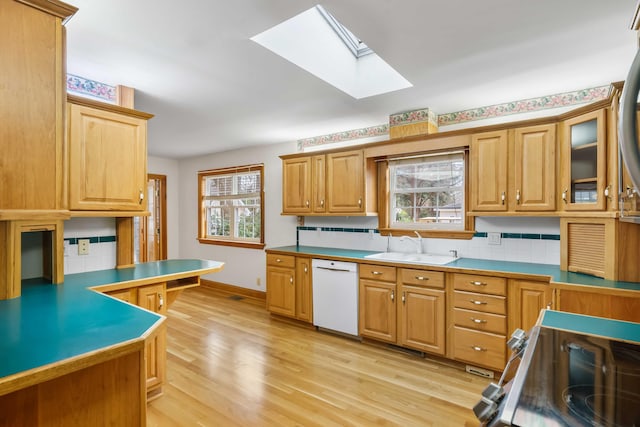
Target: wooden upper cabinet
<point>514,170</point>
<point>296,185</point>
<point>107,157</point>
<point>32,97</point>
<point>535,168</point>
<point>584,162</point>
<point>338,183</point>
<point>488,171</point>
<point>345,182</point>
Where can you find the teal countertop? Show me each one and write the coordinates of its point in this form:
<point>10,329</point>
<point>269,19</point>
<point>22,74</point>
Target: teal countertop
<point>51,323</point>
<point>552,272</point>
<point>608,328</point>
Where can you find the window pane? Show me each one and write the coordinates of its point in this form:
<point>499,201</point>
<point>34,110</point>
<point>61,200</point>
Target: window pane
<point>427,192</point>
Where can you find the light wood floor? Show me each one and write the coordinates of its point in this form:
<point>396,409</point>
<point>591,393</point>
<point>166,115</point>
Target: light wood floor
<point>230,364</point>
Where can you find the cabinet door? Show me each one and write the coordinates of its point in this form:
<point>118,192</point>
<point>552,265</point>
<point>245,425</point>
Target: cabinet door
<point>584,162</point>
<point>281,291</point>
<point>107,160</point>
<point>128,295</point>
<point>345,182</point>
<point>31,101</point>
<point>422,319</point>
<point>318,184</point>
<point>535,168</point>
<point>488,171</point>
<point>526,299</point>
<point>153,298</point>
<point>296,185</point>
<point>304,302</point>
<point>377,310</point>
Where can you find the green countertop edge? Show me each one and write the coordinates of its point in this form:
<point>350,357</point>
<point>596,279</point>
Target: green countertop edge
<point>590,325</point>
<point>552,272</point>
<point>51,323</point>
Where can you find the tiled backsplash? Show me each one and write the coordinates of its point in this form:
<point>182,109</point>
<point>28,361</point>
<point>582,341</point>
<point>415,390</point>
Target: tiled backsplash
<point>534,240</point>
<point>102,244</point>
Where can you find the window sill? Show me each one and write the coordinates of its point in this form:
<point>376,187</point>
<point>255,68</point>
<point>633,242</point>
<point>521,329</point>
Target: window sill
<point>434,234</point>
<point>238,244</point>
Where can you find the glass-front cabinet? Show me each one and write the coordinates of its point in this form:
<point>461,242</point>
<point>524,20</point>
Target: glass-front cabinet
<point>584,162</point>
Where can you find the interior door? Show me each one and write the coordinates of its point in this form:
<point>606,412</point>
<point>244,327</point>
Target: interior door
<point>150,242</point>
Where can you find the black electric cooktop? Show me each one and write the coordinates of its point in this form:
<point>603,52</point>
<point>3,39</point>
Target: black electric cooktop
<point>570,379</point>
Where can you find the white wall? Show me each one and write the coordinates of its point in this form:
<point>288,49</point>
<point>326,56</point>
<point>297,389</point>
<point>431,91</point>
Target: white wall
<point>170,168</point>
<point>244,267</point>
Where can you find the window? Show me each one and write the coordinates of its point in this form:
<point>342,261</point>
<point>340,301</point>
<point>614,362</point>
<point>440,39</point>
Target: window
<point>427,192</point>
<point>231,206</point>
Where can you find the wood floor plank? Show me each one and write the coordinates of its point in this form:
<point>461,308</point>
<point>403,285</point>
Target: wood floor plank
<point>231,364</point>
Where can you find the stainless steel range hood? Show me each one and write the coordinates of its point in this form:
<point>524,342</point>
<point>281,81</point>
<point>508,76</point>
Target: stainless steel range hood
<point>628,134</point>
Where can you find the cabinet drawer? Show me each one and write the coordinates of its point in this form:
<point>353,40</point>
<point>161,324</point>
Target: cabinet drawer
<point>378,272</point>
<point>496,323</point>
<point>281,260</point>
<point>480,302</point>
<point>432,279</point>
<point>482,284</point>
<point>479,348</point>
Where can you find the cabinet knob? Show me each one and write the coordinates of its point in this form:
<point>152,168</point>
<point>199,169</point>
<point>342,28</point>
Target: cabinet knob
<point>477,348</point>
<point>476,302</point>
<point>306,269</point>
<point>360,202</point>
<point>421,278</point>
<point>376,273</point>
<point>141,195</point>
<point>306,203</point>
<point>291,280</point>
<point>518,196</point>
<point>503,197</point>
<point>474,320</point>
<point>322,203</point>
<point>549,305</point>
<point>404,297</point>
<point>160,301</point>
<point>393,295</point>
<point>278,260</point>
<point>564,195</point>
<point>607,190</point>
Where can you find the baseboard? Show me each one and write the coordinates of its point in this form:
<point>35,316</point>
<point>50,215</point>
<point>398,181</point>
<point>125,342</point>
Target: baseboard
<point>235,290</point>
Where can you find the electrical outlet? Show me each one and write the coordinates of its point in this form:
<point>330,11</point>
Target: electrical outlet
<point>494,238</point>
<point>83,246</point>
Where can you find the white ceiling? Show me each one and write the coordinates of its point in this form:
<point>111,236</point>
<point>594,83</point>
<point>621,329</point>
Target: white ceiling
<point>212,89</point>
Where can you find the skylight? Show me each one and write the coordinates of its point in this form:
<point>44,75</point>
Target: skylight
<point>316,42</point>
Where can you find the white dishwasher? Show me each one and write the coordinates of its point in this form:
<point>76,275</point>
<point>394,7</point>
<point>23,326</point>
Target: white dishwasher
<point>335,295</point>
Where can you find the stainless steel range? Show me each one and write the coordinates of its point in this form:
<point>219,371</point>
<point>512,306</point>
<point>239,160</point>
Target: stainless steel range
<point>567,379</point>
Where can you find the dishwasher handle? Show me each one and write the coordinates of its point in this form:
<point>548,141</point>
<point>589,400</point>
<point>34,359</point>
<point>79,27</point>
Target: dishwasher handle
<point>332,269</point>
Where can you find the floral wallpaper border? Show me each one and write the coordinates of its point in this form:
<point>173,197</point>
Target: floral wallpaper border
<point>565,99</point>
<point>344,136</point>
<point>415,116</point>
<point>526,105</point>
<point>82,86</point>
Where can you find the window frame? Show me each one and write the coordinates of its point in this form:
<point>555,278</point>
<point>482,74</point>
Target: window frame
<point>384,203</point>
<point>202,223</point>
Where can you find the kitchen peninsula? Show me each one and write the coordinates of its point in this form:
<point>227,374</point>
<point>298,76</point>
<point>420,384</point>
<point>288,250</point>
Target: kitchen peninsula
<point>70,355</point>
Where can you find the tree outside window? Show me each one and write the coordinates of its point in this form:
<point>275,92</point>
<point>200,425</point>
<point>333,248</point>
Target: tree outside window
<point>231,206</point>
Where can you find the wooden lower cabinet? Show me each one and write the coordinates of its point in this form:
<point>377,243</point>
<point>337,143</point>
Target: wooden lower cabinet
<point>289,287</point>
<point>620,305</point>
<point>479,320</point>
<point>153,298</point>
<point>407,308</point>
<point>526,299</point>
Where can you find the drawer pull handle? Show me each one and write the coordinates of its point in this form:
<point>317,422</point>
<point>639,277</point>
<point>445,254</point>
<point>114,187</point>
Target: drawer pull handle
<point>476,348</point>
<point>421,278</point>
<point>278,260</point>
<point>160,301</point>
<point>477,320</point>
<point>476,283</point>
<point>376,273</point>
<point>476,302</point>
<point>322,203</point>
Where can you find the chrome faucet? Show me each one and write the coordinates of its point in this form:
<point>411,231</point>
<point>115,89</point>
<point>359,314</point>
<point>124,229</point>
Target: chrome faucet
<point>417,241</point>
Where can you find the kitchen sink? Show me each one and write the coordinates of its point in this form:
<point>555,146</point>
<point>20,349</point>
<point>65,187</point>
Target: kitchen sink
<point>413,258</point>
